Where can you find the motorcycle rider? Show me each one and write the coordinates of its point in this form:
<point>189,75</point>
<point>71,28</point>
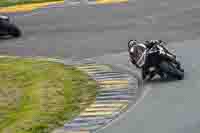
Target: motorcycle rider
<point>133,55</point>
<point>145,68</point>
<point>148,44</point>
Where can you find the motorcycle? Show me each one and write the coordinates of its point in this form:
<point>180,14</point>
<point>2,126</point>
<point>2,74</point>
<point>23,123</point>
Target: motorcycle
<point>162,62</point>
<point>8,27</point>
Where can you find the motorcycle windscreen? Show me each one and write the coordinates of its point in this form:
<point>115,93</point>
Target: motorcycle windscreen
<point>140,55</point>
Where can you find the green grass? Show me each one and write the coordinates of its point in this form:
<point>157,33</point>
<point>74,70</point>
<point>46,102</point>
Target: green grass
<point>5,3</point>
<point>38,96</point>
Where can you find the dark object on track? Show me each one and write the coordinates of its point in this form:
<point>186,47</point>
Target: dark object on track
<point>156,60</point>
<point>8,27</point>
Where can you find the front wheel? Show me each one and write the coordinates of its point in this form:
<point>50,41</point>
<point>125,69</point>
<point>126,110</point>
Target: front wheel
<point>171,70</point>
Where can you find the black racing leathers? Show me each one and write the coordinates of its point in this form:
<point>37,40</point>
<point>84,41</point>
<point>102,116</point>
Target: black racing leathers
<point>153,60</point>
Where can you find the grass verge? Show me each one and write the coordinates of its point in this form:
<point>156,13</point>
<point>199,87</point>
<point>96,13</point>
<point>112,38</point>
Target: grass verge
<point>38,96</point>
<point>5,3</point>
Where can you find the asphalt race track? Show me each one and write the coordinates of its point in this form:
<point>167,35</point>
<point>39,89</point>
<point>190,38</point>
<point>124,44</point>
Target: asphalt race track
<point>84,32</point>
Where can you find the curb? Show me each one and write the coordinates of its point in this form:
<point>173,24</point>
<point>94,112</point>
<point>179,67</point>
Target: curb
<point>117,92</point>
<point>27,7</point>
<point>110,1</point>
<point>24,8</point>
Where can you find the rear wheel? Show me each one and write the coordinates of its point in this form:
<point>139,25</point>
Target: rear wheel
<point>171,70</point>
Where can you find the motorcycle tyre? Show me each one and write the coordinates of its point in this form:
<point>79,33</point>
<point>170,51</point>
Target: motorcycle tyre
<point>171,70</point>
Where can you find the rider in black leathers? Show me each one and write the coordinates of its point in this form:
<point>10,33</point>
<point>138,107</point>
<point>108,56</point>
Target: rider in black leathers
<point>149,60</point>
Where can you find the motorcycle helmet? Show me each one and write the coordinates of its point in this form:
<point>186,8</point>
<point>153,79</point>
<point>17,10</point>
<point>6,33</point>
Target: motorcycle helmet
<point>131,43</point>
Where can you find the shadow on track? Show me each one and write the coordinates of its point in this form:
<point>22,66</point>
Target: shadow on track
<point>162,81</point>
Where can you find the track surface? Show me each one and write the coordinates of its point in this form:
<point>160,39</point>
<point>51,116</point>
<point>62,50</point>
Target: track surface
<point>83,31</point>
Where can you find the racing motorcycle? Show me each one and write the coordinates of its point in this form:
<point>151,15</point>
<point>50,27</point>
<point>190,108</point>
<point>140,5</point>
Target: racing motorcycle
<point>162,61</point>
<point>8,27</point>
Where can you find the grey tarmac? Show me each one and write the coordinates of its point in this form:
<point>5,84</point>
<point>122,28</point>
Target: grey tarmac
<point>86,31</point>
